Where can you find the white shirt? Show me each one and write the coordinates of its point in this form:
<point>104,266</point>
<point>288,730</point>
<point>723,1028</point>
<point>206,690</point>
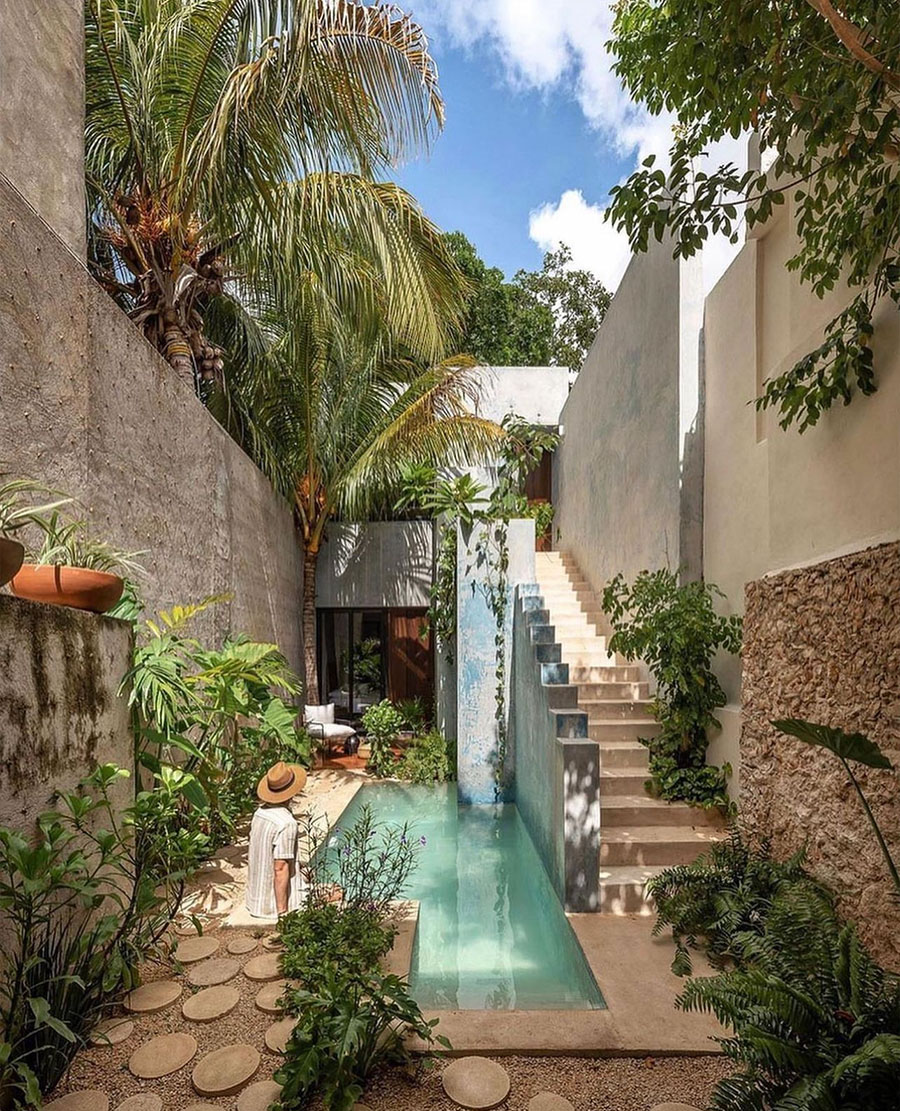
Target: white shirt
<point>273,836</point>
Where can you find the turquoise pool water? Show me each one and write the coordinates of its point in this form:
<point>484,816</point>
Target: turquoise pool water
<point>492,934</point>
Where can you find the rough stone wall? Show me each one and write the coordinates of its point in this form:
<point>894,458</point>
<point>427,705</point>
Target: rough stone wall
<point>60,711</point>
<point>822,643</point>
<point>87,406</point>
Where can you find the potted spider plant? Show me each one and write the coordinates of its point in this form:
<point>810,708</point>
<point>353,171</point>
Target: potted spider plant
<point>15,513</point>
<point>73,568</point>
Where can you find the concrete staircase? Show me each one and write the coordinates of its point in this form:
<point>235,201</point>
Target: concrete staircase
<point>639,835</point>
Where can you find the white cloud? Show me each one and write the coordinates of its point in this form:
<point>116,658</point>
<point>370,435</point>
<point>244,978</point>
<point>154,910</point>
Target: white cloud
<point>594,243</point>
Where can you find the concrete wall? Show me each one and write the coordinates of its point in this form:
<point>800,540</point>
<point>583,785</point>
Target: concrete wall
<point>535,393</point>
<point>42,110</point>
<point>378,564</point>
<point>60,711</point>
<point>88,406</point>
<point>623,502</point>
<point>477,734</point>
<point>777,499</point>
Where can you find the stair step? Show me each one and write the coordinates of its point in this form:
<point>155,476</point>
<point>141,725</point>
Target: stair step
<point>621,729</point>
<point>640,810</point>
<point>583,644</point>
<point>624,754</point>
<point>602,709</point>
<point>655,844</point>
<point>604,673</point>
<point>602,692</point>
<point>623,889</point>
<point>627,780</point>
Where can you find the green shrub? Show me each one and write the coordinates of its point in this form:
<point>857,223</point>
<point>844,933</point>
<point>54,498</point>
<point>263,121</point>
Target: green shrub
<point>329,939</point>
<point>414,714</point>
<point>728,892</point>
<point>429,759</point>
<point>382,722</point>
<point>675,630</point>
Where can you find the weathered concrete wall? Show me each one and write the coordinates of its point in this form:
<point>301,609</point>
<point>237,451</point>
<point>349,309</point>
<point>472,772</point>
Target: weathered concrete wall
<point>477,733</point>
<point>381,563</point>
<point>557,786</point>
<point>42,110</point>
<point>822,643</point>
<point>87,406</point>
<point>60,711</point>
<point>624,501</point>
<point>535,393</point>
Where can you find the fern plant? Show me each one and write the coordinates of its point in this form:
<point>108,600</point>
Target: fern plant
<point>816,1021</point>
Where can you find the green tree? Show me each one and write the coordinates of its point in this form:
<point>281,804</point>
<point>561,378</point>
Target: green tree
<point>819,83</point>
<point>233,140</point>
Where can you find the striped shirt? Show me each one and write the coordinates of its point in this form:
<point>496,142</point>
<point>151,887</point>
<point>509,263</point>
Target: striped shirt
<point>273,836</point>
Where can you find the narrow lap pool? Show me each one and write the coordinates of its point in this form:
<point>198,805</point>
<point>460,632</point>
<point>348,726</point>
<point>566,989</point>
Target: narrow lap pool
<point>492,934</point>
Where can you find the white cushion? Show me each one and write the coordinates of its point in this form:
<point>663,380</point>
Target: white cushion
<point>336,732</point>
<point>320,715</point>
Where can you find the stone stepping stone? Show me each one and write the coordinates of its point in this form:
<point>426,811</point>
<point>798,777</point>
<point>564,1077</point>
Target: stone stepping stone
<point>674,1107</point>
<point>240,946</point>
<point>272,942</point>
<point>146,1101</point>
<point>211,1003</point>
<point>267,997</point>
<point>187,929</point>
<point>267,966</point>
<point>92,1099</point>
<point>279,1034</point>
<point>259,1096</point>
<point>149,998</point>
<point>194,949</point>
<point>203,1107</point>
<point>217,971</point>
<point>475,1083</point>
<point>549,1101</point>
<point>225,1071</point>
<point>361,1107</point>
<point>112,1031</point>
<point>161,1056</point>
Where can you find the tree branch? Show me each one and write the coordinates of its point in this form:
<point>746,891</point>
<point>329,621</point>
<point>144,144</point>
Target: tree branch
<point>852,37</point>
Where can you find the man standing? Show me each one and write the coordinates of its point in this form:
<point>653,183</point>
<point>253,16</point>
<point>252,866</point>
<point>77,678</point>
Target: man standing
<point>274,884</point>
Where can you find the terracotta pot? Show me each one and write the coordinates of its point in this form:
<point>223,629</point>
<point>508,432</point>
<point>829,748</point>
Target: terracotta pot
<point>11,555</point>
<point>77,587</point>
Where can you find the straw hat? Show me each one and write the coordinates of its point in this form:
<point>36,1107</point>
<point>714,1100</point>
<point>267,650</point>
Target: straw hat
<point>281,782</point>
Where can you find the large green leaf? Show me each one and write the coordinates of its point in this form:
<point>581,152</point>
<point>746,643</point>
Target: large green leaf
<point>847,746</point>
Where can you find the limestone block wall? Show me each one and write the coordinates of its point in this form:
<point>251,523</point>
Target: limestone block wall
<point>60,711</point>
<point>822,643</point>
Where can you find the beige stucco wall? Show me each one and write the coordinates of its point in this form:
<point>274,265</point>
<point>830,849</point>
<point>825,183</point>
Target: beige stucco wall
<point>777,499</point>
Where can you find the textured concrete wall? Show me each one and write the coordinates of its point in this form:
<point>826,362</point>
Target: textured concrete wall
<point>477,735</point>
<point>618,485</point>
<point>88,406</point>
<point>822,643</point>
<point>535,393</point>
<point>42,110</point>
<point>60,711</point>
<point>557,786</point>
<point>382,563</point>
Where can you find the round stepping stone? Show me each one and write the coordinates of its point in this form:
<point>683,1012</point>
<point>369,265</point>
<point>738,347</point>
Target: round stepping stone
<point>194,949</point>
<point>241,945</point>
<point>152,997</point>
<point>203,1107</point>
<point>259,1096</point>
<point>549,1101</point>
<point>267,966</point>
<point>361,1107</point>
<point>161,1056</point>
<point>267,997</point>
<point>225,1071</point>
<point>475,1083</point>
<point>146,1101</point>
<point>211,1003</point>
<point>272,942</point>
<point>186,929</point>
<point>279,1034</point>
<point>91,1099</point>
<point>112,1031</point>
<point>674,1107</point>
<point>217,971</point>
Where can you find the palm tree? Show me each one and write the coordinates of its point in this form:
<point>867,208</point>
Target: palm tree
<point>217,131</point>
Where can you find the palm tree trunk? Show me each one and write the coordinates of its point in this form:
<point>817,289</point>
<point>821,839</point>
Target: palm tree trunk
<point>310,562</point>
<point>177,352</point>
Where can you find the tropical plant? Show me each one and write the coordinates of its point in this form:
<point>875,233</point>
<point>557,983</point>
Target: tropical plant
<point>429,759</point>
<point>230,143</point>
<point>324,939</point>
<point>414,714</point>
<point>849,748</point>
<point>382,722</point>
<point>728,892</point>
<point>818,83</point>
<point>676,631</point>
<point>816,1021</point>
<point>84,903</point>
<point>367,664</point>
<point>16,510</point>
<point>68,543</point>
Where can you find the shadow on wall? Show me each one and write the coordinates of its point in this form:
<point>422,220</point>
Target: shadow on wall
<point>378,564</point>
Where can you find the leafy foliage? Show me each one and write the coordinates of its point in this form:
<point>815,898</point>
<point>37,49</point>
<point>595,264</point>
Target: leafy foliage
<point>382,722</point>
<point>675,630</point>
<point>816,1021</point>
<point>820,87</point>
<point>429,759</point>
<point>326,939</point>
<point>84,903</point>
<point>69,543</point>
<point>726,893</point>
<point>16,508</point>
